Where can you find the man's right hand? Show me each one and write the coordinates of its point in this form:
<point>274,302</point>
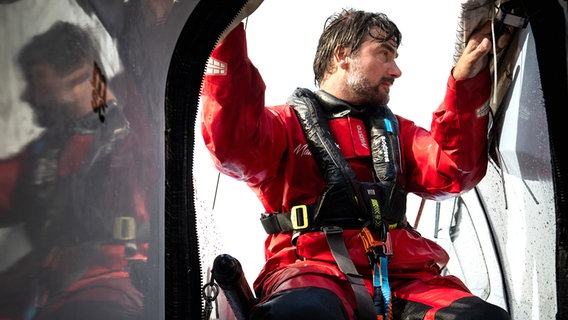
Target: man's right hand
<point>247,10</point>
<point>475,56</point>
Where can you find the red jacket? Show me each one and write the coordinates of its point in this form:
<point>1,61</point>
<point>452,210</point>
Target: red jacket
<point>89,192</point>
<point>265,147</point>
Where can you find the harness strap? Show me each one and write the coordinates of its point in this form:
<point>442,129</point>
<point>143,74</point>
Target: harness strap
<point>336,244</point>
<point>276,222</point>
<point>301,219</point>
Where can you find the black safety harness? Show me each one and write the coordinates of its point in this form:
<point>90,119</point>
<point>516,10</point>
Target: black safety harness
<point>346,203</point>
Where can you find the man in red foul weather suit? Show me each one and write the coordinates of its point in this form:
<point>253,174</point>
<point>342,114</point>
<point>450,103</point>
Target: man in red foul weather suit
<point>75,189</point>
<point>337,162</point>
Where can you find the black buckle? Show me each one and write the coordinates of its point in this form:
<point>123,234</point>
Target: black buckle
<point>331,230</point>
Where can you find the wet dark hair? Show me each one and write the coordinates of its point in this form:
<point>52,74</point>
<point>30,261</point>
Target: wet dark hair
<point>65,46</point>
<point>348,28</point>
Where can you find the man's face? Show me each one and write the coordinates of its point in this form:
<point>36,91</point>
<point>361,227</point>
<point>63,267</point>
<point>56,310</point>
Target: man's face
<point>53,97</point>
<point>372,71</point>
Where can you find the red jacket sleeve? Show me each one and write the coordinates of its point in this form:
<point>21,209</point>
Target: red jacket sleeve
<point>236,126</point>
<point>9,173</point>
<point>451,158</point>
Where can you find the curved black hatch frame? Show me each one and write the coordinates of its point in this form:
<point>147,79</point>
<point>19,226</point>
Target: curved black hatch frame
<point>182,266</point>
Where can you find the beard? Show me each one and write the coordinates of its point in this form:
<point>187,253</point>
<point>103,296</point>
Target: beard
<point>49,116</point>
<point>365,91</point>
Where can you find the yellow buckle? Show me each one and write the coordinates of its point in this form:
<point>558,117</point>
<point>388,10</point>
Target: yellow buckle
<point>301,217</point>
<point>124,228</point>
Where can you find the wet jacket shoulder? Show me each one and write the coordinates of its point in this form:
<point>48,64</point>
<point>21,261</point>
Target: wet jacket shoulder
<point>452,157</point>
<point>247,140</point>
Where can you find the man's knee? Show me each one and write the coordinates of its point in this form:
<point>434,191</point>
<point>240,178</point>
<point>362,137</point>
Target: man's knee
<point>472,308</point>
<point>310,303</point>
<point>468,308</point>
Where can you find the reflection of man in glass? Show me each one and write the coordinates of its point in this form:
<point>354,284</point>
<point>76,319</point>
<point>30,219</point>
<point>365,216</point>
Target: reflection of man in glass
<point>75,188</point>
